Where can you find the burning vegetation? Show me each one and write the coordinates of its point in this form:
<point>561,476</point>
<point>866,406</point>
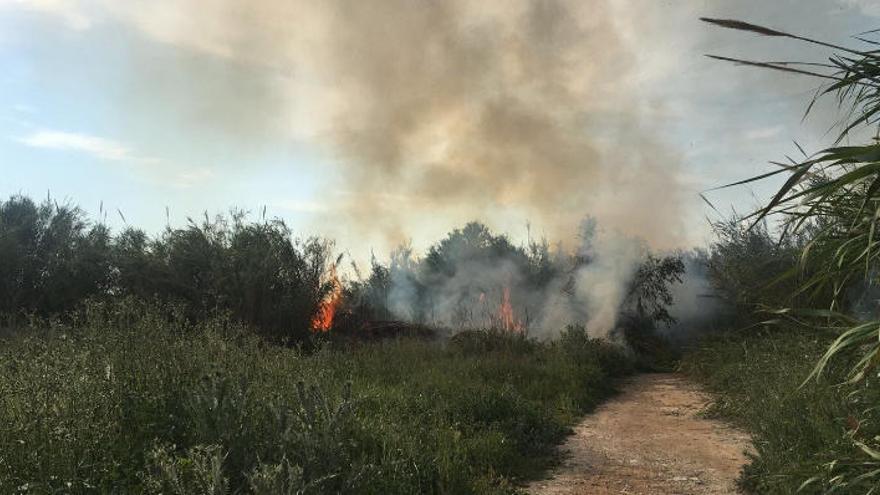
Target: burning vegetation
<point>288,289</point>
<point>474,278</point>
<point>327,307</point>
<point>504,317</point>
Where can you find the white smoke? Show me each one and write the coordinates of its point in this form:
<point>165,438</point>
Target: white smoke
<point>602,285</point>
<point>587,287</point>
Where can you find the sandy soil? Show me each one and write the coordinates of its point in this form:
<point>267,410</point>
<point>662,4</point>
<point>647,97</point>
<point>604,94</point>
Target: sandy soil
<point>650,440</point>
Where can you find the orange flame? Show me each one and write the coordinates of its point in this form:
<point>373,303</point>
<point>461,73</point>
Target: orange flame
<point>323,319</point>
<point>506,317</point>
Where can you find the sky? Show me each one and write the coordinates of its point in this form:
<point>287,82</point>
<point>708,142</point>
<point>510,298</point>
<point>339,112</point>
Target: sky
<point>381,123</point>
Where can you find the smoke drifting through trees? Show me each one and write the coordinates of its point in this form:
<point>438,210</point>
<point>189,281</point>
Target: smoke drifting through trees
<point>457,109</point>
<point>54,259</point>
<point>475,279</point>
<point>440,112</point>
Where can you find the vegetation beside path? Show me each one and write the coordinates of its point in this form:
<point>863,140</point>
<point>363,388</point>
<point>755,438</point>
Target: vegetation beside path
<point>800,431</point>
<point>125,398</point>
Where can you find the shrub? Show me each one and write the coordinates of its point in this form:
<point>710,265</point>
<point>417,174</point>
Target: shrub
<point>52,260</point>
<point>829,198</point>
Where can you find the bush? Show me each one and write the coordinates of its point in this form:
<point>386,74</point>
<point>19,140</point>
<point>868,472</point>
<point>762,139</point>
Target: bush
<point>52,260</point>
<point>749,268</point>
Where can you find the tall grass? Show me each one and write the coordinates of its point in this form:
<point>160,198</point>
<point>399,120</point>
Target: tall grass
<point>123,398</point>
<point>802,435</point>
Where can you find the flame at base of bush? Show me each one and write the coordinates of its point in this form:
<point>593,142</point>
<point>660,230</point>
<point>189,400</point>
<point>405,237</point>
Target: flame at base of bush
<point>504,317</point>
<point>327,308</point>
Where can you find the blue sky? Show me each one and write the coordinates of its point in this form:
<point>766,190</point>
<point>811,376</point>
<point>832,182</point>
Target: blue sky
<point>189,105</point>
<point>63,132</point>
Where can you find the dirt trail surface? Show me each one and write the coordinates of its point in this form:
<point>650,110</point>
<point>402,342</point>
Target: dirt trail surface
<point>650,440</point>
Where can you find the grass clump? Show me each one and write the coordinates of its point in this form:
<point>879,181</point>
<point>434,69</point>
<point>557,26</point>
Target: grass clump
<point>123,398</point>
<point>803,432</point>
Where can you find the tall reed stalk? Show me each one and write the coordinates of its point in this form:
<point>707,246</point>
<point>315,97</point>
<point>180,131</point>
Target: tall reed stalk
<point>833,197</point>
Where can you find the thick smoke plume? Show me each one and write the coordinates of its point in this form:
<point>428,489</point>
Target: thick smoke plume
<point>463,108</point>
<point>595,290</point>
<point>436,112</point>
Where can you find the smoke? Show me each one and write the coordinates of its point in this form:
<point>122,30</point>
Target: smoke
<point>610,284</point>
<point>593,293</point>
<point>697,308</point>
<point>437,112</point>
<point>475,279</point>
<point>434,112</point>
<point>603,284</point>
<point>463,107</point>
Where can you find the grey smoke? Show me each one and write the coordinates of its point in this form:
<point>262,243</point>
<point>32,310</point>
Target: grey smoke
<point>588,287</point>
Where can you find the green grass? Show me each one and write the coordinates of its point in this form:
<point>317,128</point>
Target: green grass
<point>798,431</point>
<point>125,399</point>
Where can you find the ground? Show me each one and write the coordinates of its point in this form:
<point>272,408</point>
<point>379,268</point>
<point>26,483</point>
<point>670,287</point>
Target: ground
<point>650,439</point>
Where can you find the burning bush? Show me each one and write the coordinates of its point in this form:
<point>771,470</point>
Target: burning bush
<point>476,279</point>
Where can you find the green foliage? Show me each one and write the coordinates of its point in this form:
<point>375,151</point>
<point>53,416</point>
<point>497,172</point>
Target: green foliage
<point>51,260</point>
<point>749,268</point>
<point>281,479</point>
<point>801,434</point>
<point>126,398</point>
<point>649,295</point>
<point>645,307</point>
<point>255,270</point>
<point>831,199</point>
<point>132,365</point>
<point>473,244</point>
<point>198,470</point>
<point>476,342</point>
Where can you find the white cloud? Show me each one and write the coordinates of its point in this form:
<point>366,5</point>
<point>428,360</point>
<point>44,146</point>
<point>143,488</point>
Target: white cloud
<point>192,177</point>
<point>71,12</point>
<point>299,206</point>
<point>762,133</point>
<point>171,174</point>
<point>98,147</point>
<point>867,7</point>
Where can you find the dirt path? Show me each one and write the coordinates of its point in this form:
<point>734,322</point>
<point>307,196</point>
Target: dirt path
<point>649,440</point>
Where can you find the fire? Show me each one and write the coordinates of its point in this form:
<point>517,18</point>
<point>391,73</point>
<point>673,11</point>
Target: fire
<point>323,319</point>
<point>506,317</point>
